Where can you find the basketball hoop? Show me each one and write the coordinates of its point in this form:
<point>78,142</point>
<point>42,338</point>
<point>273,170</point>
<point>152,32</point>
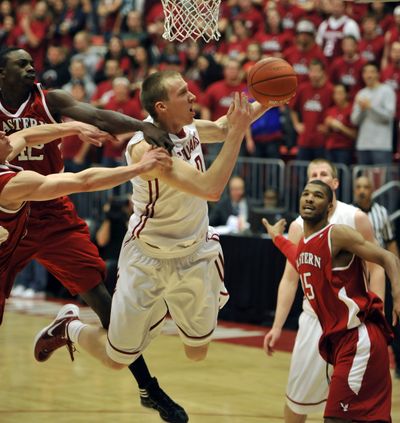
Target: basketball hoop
<point>191,19</point>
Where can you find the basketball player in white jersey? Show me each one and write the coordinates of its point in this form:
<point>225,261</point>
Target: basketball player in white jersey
<point>307,388</point>
<point>171,260</point>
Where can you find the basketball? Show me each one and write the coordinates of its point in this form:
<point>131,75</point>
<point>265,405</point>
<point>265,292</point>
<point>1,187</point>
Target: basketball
<point>272,80</point>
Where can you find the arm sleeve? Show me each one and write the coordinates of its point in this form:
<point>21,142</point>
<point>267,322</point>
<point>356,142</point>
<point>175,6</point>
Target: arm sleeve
<point>287,248</point>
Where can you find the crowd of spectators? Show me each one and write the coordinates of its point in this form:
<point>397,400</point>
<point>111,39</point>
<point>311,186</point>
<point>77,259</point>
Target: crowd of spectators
<point>346,55</point>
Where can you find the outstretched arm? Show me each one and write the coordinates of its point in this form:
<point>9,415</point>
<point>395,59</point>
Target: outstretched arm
<point>63,104</point>
<point>286,294</point>
<point>31,186</point>
<point>43,134</point>
<point>346,238</point>
<point>211,183</point>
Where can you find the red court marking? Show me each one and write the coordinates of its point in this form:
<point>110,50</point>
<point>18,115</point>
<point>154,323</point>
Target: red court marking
<point>285,343</point>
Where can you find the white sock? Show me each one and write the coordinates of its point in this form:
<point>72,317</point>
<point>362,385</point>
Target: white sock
<point>74,329</point>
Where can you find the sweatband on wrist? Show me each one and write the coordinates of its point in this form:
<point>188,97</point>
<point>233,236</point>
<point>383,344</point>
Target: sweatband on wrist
<point>287,248</point>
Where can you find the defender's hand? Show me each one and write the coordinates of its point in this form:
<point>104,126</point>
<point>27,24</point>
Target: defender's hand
<point>274,230</point>
<point>92,135</point>
<point>271,338</point>
<point>156,136</point>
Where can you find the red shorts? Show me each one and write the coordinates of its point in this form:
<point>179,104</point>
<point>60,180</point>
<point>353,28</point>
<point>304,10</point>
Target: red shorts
<point>59,239</point>
<point>361,387</point>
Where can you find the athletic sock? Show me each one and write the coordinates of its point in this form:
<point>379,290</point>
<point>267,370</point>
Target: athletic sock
<point>141,373</point>
<point>74,329</point>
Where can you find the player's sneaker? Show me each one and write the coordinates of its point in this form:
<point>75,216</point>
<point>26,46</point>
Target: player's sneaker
<point>55,335</point>
<point>154,397</point>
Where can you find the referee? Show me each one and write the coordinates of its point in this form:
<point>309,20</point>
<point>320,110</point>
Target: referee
<point>384,233</point>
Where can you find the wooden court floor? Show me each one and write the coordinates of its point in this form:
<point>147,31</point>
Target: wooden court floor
<point>236,384</point>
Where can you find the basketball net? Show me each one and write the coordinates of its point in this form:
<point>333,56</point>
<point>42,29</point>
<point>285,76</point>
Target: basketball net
<point>191,19</point>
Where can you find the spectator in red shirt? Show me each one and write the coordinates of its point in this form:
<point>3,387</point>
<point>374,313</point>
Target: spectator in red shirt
<point>347,69</point>
<point>8,31</point>
<point>82,50</point>
<point>273,39</point>
<point>34,28</point>
<point>109,16</point>
<point>252,17</point>
<point>71,20</point>
<point>104,89</point>
<point>341,134</point>
<point>74,150</point>
<point>6,9</point>
<point>133,32</point>
<point>210,71</point>
<point>115,51</point>
<point>372,43</point>
<point>290,14</point>
<point>253,55</point>
<point>218,96</point>
<point>79,73</point>
<point>308,111</point>
<point>383,16</point>
<point>236,44</point>
<point>304,50</point>
<point>392,35</point>
<point>391,73</point>
<point>141,65</point>
<point>55,73</point>
<point>120,101</point>
<point>191,69</point>
<point>355,10</point>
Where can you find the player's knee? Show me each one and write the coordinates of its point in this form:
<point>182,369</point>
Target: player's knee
<point>111,364</point>
<point>196,353</point>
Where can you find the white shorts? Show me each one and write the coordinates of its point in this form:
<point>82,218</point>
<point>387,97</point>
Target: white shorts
<point>148,288</point>
<point>307,388</point>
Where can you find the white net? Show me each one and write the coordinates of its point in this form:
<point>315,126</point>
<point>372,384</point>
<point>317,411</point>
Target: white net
<point>191,19</point>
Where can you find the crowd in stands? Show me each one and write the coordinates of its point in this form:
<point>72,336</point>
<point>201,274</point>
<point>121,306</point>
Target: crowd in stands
<point>346,55</point>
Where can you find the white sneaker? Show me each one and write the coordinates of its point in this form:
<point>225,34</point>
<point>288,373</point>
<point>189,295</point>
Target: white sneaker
<point>31,294</point>
<point>17,291</point>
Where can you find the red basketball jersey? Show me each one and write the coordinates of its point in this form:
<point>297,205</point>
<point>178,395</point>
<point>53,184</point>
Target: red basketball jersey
<point>339,296</point>
<point>337,139</point>
<point>347,73</point>
<point>310,103</point>
<point>14,221</point>
<point>43,158</point>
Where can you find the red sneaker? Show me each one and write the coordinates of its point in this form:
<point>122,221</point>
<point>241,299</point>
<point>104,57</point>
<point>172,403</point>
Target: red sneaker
<point>55,335</point>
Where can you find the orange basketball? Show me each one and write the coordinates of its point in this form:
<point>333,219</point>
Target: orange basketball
<point>272,80</point>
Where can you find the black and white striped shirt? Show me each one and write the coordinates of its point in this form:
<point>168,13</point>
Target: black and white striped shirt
<point>383,228</point>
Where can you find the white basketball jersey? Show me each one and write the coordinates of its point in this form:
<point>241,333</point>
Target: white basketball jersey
<point>344,214</point>
<point>167,222</point>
